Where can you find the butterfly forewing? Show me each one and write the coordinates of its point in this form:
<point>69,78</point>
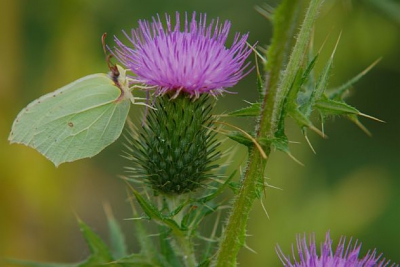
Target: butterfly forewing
<point>76,121</point>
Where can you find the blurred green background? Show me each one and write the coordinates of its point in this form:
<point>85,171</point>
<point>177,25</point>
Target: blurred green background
<point>350,187</point>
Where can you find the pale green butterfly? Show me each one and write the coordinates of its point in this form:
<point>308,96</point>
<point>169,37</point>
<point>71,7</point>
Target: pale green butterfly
<point>78,120</point>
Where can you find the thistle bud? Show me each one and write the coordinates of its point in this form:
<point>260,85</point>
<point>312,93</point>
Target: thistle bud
<point>177,148</point>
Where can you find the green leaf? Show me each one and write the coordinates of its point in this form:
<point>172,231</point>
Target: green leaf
<point>318,91</point>
<point>177,209</point>
<point>167,251</point>
<point>300,118</point>
<point>76,121</point>
<point>260,82</point>
<point>240,138</point>
<point>331,107</point>
<point>99,252</point>
<point>217,192</point>
<point>118,244</point>
<point>205,263</point>
<point>303,121</point>
<point>304,96</point>
<point>147,248</point>
<point>154,213</point>
<point>324,76</point>
<point>281,143</point>
<point>291,100</point>
<point>251,111</point>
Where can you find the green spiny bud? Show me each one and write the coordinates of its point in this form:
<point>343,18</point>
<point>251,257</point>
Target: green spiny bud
<point>176,149</point>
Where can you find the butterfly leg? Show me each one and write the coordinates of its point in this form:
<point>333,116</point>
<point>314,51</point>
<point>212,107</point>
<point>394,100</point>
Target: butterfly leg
<point>133,100</point>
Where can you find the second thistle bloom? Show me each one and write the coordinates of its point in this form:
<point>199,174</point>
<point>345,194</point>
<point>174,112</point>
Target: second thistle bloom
<point>344,256</point>
<point>189,58</point>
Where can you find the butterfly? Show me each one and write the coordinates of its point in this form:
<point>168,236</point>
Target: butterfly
<point>78,120</point>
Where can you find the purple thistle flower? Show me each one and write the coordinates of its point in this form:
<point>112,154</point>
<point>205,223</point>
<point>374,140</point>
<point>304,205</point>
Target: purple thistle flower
<point>194,61</point>
<point>344,256</point>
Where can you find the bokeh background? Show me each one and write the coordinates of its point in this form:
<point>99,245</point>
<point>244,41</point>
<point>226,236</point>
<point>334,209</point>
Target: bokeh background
<point>350,187</point>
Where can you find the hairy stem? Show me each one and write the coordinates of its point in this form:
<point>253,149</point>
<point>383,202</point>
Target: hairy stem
<point>184,245</point>
<point>271,115</point>
<point>186,248</point>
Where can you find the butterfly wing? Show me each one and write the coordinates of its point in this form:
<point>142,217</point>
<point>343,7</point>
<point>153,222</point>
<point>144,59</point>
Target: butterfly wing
<point>74,122</point>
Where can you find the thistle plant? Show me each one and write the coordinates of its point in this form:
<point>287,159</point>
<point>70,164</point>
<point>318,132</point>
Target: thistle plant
<point>176,173</point>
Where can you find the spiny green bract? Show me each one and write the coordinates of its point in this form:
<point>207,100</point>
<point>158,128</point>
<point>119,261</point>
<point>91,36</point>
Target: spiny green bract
<point>176,149</point>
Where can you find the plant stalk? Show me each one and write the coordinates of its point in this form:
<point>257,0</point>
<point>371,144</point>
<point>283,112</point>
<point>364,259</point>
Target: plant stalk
<point>271,115</point>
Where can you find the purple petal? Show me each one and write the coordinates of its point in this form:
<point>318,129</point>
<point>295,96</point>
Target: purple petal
<point>194,60</point>
<point>344,256</point>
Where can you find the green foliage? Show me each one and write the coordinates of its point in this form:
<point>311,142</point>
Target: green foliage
<point>251,111</point>
<point>153,213</point>
<point>240,138</point>
<point>101,255</point>
<point>302,99</point>
<point>290,90</point>
<point>118,245</point>
<point>178,225</point>
<point>99,252</point>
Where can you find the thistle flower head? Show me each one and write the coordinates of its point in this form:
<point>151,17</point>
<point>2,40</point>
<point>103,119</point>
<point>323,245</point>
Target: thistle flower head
<point>344,256</point>
<point>192,60</point>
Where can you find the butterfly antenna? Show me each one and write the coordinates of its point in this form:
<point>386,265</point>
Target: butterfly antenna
<point>113,67</point>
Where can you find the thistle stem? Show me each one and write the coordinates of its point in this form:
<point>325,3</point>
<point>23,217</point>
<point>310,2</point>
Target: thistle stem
<point>271,116</point>
<point>234,234</point>
<point>186,249</point>
<point>183,238</point>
